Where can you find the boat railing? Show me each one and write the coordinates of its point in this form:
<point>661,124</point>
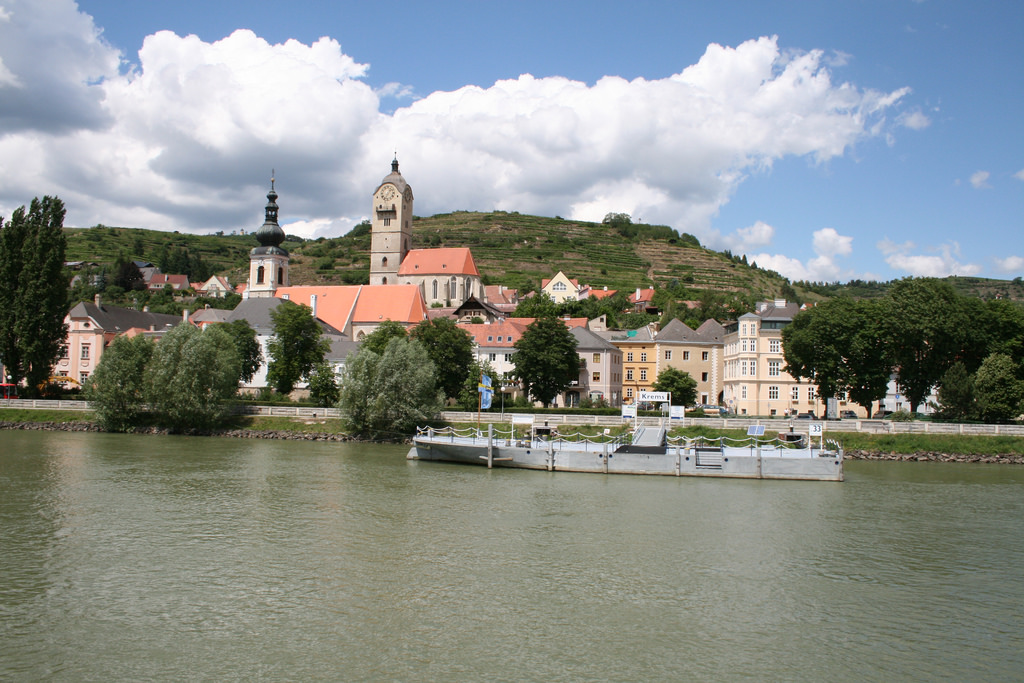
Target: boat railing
<point>751,442</point>
<point>521,437</point>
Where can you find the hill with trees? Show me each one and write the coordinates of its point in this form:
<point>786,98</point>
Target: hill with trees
<point>509,248</point>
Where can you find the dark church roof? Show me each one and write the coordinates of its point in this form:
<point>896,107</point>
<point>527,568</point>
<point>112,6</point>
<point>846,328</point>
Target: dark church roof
<point>270,235</point>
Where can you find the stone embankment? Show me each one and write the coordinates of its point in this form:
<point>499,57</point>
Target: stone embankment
<point>921,456</point>
<point>232,433</point>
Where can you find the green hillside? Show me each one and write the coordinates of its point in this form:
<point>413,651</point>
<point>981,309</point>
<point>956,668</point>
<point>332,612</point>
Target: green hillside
<point>512,249</point>
<point>509,248</point>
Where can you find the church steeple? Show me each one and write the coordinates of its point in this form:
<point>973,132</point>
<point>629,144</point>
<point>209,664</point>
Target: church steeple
<point>268,263</point>
<point>270,233</point>
<point>390,227</point>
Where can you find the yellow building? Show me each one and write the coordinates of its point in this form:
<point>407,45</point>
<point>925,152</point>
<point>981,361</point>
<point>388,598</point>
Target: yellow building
<point>755,382</point>
<point>561,288</point>
<point>696,352</point>
<point>639,358</point>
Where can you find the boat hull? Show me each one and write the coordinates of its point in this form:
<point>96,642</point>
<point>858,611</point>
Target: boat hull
<point>682,461</point>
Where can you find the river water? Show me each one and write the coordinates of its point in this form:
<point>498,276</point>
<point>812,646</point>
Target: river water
<point>181,558</point>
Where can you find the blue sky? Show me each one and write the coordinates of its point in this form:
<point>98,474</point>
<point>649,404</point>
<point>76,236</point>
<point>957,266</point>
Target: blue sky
<point>826,140</point>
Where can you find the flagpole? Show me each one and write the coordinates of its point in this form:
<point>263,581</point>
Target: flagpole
<point>479,400</point>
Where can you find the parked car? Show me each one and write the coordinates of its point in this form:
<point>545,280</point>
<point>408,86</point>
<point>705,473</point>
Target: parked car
<point>847,415</point>
<point>709,409</point>
<point>881,414</point>
<point>809,415</point>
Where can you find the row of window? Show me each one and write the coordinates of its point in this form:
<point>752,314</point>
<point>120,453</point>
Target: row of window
<point>643,375</point>
<point>794,393</point>
<point>704,356</point>
<point>748,368</point>
<point>750,346</point>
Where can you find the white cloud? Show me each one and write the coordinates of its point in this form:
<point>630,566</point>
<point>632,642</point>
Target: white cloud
<point>186,139</point>
<point>941,261</point>
<point>51,58</point>
<point>914,120</point>
<point>760,234</point>
<point>979,179</point>
<point>1019,175</point>
<point>828,245</point>
<point>1010,264</point>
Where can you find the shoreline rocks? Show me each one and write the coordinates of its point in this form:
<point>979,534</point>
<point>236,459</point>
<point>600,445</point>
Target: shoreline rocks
<point>927,456</point>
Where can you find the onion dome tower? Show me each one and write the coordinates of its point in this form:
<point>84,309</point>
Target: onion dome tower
<point>268,263</point>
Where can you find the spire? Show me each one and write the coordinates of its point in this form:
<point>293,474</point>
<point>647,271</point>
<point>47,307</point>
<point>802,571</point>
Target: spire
<point>394,164</point>
<point>270,233</point>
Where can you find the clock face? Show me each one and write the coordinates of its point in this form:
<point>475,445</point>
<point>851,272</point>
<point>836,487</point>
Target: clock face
<point>388,193</point>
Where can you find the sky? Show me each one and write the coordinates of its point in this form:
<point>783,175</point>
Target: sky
<point>829,141</point>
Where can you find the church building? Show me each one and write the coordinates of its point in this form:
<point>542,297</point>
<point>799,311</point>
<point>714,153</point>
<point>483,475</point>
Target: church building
<point>446,277</point>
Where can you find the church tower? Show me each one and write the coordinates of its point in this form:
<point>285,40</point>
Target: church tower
<point>268,263</point>
<point>390,227</point>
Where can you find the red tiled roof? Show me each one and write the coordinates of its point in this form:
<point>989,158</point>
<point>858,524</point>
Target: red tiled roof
<point>645,295</point>
<point>499,294</point>
<point>402,303</point>
<point>602,293</point>
<point>442,261</point>
<point>158,280</point>
<point>569,322</point>
<point>341,305</point>
<point>507,331</point>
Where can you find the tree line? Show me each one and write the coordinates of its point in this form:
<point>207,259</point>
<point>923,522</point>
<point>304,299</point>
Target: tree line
<point>923,333</point>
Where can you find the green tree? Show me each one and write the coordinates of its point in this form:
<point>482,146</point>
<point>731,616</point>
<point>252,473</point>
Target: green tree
<point>323,385</point>
<point>378,340</point>
<point>956,394</point>
<point>296,347</point>
<point>116,390</point>
<point>1003,327</point>
<point>450,349</point>
<point>814,344</point>
<point>33,291</point>
<point>127,275</point>
<point>390,393</point>
<point>545,359</point>
<point>539,305</point>
<point>999,391</point>
<point>867,373</point>
<point>839,345</point>
<point>682,386</point>
<point>247,346</point>
<point>192,374</point>
<point>927,328</point>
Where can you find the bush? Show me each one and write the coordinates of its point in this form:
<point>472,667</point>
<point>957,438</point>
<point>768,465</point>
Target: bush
<point>902,416</point>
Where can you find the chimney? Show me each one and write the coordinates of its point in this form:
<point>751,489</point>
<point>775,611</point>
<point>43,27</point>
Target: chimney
<point>145,309</point>
<point>779,303</point>
<point>312,303</point>
<point>184,315</point>
<point>97,300</point>
<point>637,294</point>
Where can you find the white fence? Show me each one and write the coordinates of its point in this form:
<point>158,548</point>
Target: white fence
<point>868,426</point>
